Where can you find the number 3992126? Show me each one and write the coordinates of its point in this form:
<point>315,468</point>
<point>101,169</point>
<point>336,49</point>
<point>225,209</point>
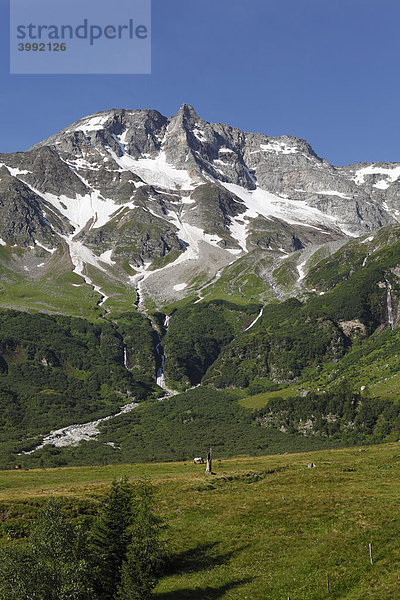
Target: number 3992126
<point>42,47</point>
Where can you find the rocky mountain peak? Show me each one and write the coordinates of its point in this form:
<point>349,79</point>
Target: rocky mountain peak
<point>187,111</point>
<point>165,202</point>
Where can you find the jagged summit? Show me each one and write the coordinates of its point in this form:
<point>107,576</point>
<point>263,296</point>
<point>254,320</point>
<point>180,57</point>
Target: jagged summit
<point>187,111</point>
<point>164,205</point>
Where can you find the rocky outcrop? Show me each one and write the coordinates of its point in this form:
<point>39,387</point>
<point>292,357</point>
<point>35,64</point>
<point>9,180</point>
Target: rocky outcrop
<point>21,215</point>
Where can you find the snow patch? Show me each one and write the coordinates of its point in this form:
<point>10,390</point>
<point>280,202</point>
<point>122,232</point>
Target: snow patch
<point>301,271</point>
<point>348,232</point>
<point>81,255</point>
<point>140,271</point>
<point>225,150</point>
<point>92,124</point>
<point>222,162</point>
<point>180,286</point>
<point>187,200</point>
<point>238,229</point>
<point>295,212</point>
<point>82,209</point>
<point>14,171</point>
<point>122,139</point>
<point>81,163</point>
<point>2,242</point>
<point>391,174</point>
<point>279,147</point>
<point>51,250</point>
<point>106,257</point>
<point>382,184</point>
<point>332,193</point>
<point>199,134</point>
<point>154,171</point>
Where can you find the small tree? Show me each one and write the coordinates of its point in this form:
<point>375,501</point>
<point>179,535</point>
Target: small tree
<point>52,566</point>
<point>141,568</point>
<point>110,539</point>
<point>60,557</point>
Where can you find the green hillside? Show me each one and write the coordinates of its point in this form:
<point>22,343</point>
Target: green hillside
<point>329,359</point>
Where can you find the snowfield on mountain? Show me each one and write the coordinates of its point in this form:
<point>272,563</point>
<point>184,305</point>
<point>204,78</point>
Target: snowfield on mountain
<point>162,205</point>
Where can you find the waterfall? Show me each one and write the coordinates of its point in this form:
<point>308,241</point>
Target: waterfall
<point>160,353</point>
<point>125,358</point>
<point>160,377</point>
<point>255,320</point>
<point>389,303</point>
<point>160,372</point>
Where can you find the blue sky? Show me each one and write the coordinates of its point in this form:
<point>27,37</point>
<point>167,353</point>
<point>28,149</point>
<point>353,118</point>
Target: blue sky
<point>324,70</point>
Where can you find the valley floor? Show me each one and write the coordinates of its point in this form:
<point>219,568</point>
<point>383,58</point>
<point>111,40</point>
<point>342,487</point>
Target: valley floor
<point>265,527</point>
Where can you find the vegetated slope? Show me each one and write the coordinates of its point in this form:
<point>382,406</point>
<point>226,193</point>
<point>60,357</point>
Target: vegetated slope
<point>180,427</point>
<point>196,335</point>
<point>286,350</point>
<point>292,337</point>
<point>55,371</point>
<point>265,527</point>
<point>176,428</point>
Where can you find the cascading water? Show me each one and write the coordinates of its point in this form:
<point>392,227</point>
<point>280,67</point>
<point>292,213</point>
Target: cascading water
<point>160,372</point>
<point>160,377</point>
<point>389,303</point>
<point>255,320</point>
<point>125,358</point>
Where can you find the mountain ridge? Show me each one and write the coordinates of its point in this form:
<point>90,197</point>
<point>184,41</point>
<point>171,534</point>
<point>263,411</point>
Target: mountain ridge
<point>169,203</point>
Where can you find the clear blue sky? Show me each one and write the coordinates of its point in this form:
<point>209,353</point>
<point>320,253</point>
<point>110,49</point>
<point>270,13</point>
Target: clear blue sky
<point>324,70</point>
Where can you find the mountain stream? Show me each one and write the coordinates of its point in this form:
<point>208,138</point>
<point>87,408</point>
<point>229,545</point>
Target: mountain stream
<point>389,303</point>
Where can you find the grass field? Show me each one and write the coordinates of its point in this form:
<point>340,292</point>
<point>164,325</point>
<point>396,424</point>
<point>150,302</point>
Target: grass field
<point>273,535</point>
<point>261,400</point>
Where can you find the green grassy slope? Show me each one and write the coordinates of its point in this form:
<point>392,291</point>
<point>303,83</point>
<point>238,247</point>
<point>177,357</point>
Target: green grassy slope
<point>259,528</point>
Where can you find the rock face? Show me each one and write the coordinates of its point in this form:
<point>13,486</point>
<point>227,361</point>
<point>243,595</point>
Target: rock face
<point>166,202</point>
<point>21,214</point>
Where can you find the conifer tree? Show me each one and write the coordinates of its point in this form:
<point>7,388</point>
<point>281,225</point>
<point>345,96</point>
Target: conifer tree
<point>141,568</point>
<point>110,539</point>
